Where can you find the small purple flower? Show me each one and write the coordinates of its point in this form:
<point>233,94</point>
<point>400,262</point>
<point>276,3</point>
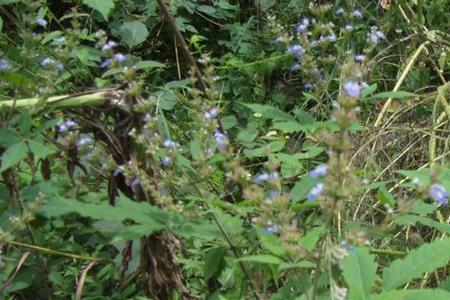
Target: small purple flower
<point>352,88</point>
<point>303,25</point>
<point>339,11</point>
<point>119,57</point>
<point>271,229</point>
<point>308,86</point>
<point>319,171</point>
<point>59,67</point>
<point>118,170</point>
<point>331,38</point>
<point>4,65</point>
<point>106,63</point>
<point>279,39</point>
<point>166,161</point>
<point>211,113</point>
<point>41,22</point>
<point>359,58</point>
<point>221,140</point>
<point>438,193</point>
<point>357,13</point>
<point>295,67</point>
<point>348,27</point>
<point>47,61</point>
<point>169,144</point>
<point>109,45</point>
<point>84,141</point>
<point>376,35</point>
<point>64,126</point>
<point>263,177</point>
<point>60,40</point>
<point>316,191</point>
<point>296,50</point>
<point>135,183</point>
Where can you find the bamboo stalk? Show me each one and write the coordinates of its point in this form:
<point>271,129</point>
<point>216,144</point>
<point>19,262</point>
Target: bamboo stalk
<point>97,98</point>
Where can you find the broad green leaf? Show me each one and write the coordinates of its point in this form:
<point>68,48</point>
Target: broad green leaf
<point>262,151</point>
<point>301,189</point>
<point>133,232</point>
<point>214,261</point>
<point>4,2</point>
<point>385,197</point>
<point>40,151</point>
<point>229,122</point>
<point>289,126</point>
<point>413,219</point>
<point>360,273</point>
<point>266,4</point>
<point>263,259</point>
<point>8,137</point>
<point>133,33</point>
<point>13,155</point>
<point>269,112</point>
<point>102,6</point>
<point>426,258</point>
<point>148,64</point>
<point>412,295</point>
<point>396,95</point>
<point>310,239</point>
<point>272,243</point>
<point>248,134</point>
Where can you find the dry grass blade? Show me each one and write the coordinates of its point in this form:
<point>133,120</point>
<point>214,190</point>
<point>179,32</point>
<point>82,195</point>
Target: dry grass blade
<point>83,279</point>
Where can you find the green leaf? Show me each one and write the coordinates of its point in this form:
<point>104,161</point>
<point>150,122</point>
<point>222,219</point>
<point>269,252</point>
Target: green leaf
<point>385,197</point>
<point>40,151</point>
<point>424,259</point>
<point>148,64</point>
<point>13,155</point>
<point>214,261</point>
<point>266,4</point>
<point>248,134</point>
<point>395,95</point>
<point>102,6</point>
<point>263,259</point>
<point>360,273</point>
<point>4,2</point>
<point>412,219</point>
<point>269,112</point>
<point>272,243</point>
<point>229,122</point>
<point>412,295</point>
<point>1,24</point>
<point>8,137</point>
<point>301,189</point>
<point>133,33</point>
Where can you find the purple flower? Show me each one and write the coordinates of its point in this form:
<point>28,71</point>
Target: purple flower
<point>376,35</point>
<point>279,39</point>
<point>221,140</point>
<point>319,171</point>
<point>4,65</point>
<point>135,183</point>
<point>331,38</point>
<point>359,58</point>
<point>118,170</point>
<point>295,67</point>
<point>263,177</point>
<point>84,141</point>
<point>59,67</point>
<point>308,86</point>
<point>211,113</point>
<point>64,126</point>
<point>41,22</point>
<point>348,27</point>
<point>339,11</point>
<point>47,61</point>
<point>438,193</point>
<point>166,161</point>
<point>352,88</point>
<point>303,25</point>
<point>60,40</point>
<point>271,229</point>
<point>357,13</point>
<point>119,57</point>
<point>297,50</point>
<point>169,144</point>
<point>109,45</point>
<point>106,63</point>
<point>316,191</point>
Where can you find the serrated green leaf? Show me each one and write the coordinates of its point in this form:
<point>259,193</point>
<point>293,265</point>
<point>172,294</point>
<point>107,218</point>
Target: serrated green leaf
<point>148,64</point>
<point>269,112</point>
<point>412,219</point>
<point>214,261</point>
<point>102,6</point>
<point>13,155</point>
<point>395,95</point>
<point>133,33</point>
<point>263,259</point>
<point>360,273</point>
<point>426,258</point>
<point>301,189</point>
<point>248,134</point>
<point>412,295</point>
<point>40,151</point>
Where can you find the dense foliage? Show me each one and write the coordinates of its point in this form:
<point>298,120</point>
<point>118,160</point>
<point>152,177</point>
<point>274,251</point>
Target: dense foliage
<point>222,149</point>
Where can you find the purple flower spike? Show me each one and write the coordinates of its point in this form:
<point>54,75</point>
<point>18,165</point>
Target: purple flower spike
<point>296,50</point>
<point>352,88</point>
<point>438,193</point>
<point>271,229</point>
<point>169,144</point>
<point>221,140</point>
<point>316,191</point>
<point>319,171</point>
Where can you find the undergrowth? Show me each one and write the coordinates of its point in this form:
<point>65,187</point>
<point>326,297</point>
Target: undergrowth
<point>224,149</point>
